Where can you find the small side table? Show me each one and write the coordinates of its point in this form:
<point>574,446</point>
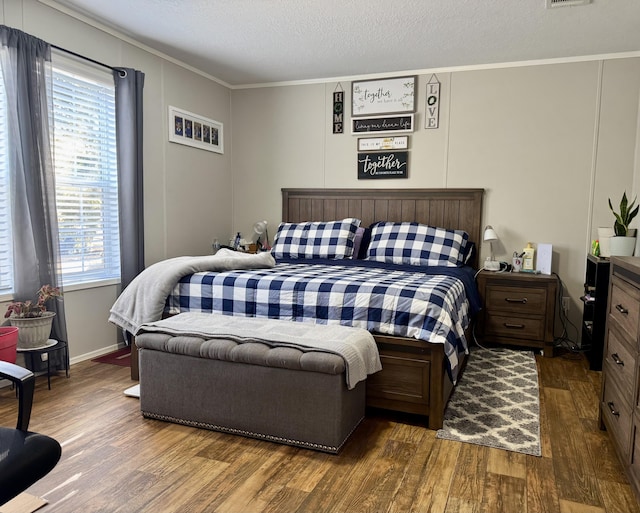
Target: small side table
<point>519,309</point>
<point>50,346</point>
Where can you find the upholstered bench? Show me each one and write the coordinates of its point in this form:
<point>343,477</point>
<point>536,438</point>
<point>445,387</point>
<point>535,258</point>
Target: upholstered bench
<point>257,389</point>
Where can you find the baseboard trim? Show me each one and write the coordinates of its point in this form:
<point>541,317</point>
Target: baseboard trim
<point>96,353</point>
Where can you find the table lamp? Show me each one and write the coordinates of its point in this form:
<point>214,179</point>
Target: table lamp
<point>260,228</point>
<point>490,236</point>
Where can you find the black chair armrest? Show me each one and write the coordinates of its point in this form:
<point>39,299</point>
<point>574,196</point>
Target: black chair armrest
<point>24,380</point>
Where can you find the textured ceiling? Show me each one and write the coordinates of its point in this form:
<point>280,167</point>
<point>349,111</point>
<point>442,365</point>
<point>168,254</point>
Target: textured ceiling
<point>244,42</point>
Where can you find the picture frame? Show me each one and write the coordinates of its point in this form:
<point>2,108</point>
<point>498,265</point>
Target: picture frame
<point>196,131</point>
<point>383,96</point>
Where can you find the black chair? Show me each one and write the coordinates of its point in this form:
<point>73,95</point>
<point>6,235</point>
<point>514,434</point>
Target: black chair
<point>25,457</point>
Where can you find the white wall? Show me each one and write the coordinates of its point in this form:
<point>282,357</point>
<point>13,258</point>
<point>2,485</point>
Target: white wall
<point>180,219</point>
<point>549,143</point>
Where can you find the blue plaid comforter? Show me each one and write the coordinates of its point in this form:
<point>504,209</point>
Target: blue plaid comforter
<point>381,298</point>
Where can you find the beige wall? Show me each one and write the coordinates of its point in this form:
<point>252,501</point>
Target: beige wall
<point>180,219</point>
<point>549,143</point>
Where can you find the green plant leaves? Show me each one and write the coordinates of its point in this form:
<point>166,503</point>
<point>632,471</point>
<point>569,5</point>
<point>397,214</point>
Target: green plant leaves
<point>626,215</point>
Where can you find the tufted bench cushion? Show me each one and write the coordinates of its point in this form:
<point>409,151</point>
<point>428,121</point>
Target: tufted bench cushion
<point>254,353</point>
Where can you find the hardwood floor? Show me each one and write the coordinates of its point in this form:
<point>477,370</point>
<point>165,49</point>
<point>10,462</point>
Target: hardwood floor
<point>113,460</point>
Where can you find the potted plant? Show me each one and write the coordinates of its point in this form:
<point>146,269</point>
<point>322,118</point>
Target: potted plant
<point>33,320</point>
<point>623,243</point>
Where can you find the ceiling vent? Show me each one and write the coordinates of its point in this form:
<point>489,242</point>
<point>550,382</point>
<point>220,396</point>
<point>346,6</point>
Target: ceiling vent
<point>552,4</point>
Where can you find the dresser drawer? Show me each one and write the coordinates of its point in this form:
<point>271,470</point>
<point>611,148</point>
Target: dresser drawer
<point>620,364</point>
<point>514,327</point>
<point>625,307</point>
<point>518,300</point>
<point>616,414</point>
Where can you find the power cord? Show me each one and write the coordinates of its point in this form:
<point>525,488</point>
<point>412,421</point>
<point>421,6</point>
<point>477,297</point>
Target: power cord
<point>475,340</point>
<point>564,340</point>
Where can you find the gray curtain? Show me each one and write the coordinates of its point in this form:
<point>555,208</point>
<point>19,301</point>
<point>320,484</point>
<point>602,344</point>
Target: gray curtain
<point>26,72</point>
<point>129,84</point>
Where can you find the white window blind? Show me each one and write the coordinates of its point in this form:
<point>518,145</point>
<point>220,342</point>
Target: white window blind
<point>6,252</point>
<point>84,145</point>
<point>86,174</point>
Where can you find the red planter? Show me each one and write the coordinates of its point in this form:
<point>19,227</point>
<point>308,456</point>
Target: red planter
<point>8,343</point>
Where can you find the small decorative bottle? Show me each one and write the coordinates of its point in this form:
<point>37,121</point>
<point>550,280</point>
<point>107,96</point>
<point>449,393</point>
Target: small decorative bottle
<point>236,242</point>
<point>215,246</point>
<point>527,261</point>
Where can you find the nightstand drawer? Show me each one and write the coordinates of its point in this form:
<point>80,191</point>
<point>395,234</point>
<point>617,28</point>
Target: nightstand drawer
<point>514,327</point>
<point>519,300</point>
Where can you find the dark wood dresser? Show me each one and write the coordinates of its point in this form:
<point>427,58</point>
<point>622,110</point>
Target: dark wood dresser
<point>619,404</point>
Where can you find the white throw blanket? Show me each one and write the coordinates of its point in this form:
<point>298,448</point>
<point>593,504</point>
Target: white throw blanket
<point>355,345</point>
<point>144,298</point>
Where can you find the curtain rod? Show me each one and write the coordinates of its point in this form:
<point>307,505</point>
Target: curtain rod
<point>123,72</point>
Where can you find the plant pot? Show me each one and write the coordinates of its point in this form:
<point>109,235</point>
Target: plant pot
<point>8,343</point>
<point>33,331</point>
<point>604,236</point>
<point>622,246</point>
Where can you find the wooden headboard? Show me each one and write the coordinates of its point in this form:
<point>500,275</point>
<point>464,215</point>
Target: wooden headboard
<point>457,209</point>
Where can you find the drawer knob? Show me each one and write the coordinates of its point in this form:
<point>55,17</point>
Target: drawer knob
<point>513,326</point>
<point>522,300</point>
<point>622,309</point>
<point>612,409</point>
<point>617,359</point>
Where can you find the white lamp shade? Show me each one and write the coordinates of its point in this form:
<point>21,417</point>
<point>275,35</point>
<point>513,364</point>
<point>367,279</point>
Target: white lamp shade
<point>490,234</point>
<point>260,227</point>
<point>261,230</point>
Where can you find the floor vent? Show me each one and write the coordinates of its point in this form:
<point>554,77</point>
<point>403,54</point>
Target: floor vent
<point>551,4</point>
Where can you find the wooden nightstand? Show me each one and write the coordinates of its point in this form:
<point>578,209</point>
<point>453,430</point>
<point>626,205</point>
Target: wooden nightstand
<point>518,309</point>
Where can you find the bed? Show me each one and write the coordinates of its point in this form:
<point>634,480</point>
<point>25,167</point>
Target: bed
<point>418,375</point>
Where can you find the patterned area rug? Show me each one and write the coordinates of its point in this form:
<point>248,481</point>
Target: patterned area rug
<point>496,402</point>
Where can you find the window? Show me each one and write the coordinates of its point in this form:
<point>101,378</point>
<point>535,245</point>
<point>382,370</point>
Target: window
<point>6,253</point>
<point>85,162</point>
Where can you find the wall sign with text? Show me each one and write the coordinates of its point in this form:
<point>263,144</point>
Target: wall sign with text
<point>338,111</point>
<point>387,164</point>
<point>383,96</point>
<point>382,124</point>
<point>432,108</point>
<point>400,142</point>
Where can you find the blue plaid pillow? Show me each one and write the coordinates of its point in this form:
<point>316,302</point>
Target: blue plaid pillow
<point>315,240</point>
<point>417,244</point>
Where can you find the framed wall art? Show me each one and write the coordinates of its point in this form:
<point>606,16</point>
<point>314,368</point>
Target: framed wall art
<point>194,130</point>
<point>383,96</point>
